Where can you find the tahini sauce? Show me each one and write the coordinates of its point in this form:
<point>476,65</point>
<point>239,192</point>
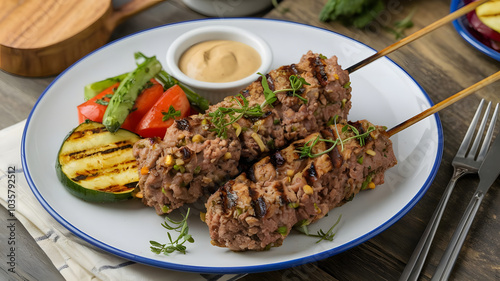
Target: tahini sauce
<point>219,61</point>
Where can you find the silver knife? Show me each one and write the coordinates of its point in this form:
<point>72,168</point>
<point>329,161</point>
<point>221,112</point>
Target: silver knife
<point>488,173</point>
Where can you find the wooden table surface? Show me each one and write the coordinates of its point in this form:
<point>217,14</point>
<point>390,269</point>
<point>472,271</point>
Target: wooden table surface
<point>441,62</point>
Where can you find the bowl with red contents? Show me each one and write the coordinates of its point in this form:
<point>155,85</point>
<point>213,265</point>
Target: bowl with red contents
<point>479,28</point>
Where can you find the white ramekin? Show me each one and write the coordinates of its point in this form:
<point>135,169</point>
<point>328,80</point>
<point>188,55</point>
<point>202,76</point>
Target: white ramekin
<point>216,91</point>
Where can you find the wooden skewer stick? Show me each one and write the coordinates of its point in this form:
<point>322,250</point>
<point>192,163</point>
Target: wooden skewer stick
<point>437,107</point>
<point>462,11</point>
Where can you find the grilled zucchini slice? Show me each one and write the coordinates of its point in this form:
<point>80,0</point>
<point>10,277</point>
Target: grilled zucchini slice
<point>97,165</point>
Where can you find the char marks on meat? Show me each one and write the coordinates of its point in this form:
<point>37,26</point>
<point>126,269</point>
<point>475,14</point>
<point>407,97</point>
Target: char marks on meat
<point>193,160</point>
<point>311,175</point>
<point>301,190</point>
<point>277,159</point>
<point>182,124</point>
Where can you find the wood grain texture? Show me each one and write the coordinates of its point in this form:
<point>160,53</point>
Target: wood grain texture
<point>441,62</point>
<point>444,103</point>
<point>42,38</point>
<point>35,24</point>
<point>417,34</point>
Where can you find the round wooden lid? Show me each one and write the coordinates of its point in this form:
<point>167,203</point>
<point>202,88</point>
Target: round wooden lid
<point>43,37</point>
<point>32,24</point>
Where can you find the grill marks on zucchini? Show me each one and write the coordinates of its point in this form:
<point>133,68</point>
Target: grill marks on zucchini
<point>121,145</point>
<point>78,134</point>
<point>114,170</point>
<point>97,165</point>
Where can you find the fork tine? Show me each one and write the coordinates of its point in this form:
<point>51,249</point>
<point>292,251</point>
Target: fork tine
<point>470,131</point>
<point>488,136</point>
<point>480,133</point>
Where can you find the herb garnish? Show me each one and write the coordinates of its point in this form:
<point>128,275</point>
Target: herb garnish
<point>170,114</point>
<point>225,116</point>
<point>332,120</point>
<point>222,114</point>
<point>360,137</point>
<point>268,93</point>
<point>305,151</point>
<point>104,100</point>
<point>329,235</point>
<point>296,83</point>
<point>177,244</point>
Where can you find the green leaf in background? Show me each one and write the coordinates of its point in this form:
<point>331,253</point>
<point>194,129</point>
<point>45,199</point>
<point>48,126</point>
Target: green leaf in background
<point>400,26</point>
<point>360,13</point>
<point>363,19</point>
<point>352,12</point>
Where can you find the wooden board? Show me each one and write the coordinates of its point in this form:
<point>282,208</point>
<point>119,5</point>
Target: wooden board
<point>42,38</point>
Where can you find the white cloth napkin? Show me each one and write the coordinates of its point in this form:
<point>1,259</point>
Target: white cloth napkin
<point>74,258</point>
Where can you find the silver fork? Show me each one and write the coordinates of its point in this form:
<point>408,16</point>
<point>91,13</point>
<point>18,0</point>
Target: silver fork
<point>465,162</point>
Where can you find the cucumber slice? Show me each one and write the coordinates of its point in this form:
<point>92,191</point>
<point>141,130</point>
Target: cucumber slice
<point>97,165</point>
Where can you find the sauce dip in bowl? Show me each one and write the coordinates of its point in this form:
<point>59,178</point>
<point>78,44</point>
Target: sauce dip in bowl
<point>217,61</point>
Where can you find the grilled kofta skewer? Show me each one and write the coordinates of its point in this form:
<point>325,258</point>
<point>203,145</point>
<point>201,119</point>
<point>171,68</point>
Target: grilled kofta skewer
<point>297,185</point>
<point>199,153</point>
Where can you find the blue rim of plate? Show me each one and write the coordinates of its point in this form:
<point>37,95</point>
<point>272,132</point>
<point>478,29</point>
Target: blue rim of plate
<point>239,269</point>
<point>461,26</point>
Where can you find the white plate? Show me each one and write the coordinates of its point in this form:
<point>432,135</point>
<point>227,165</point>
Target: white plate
<point>382,93</point>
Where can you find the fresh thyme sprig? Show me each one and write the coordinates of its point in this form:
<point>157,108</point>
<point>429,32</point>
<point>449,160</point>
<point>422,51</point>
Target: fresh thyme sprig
<point>296,83</point>
<point>329,235</point>
<point>306,151</point>
<point>361,137</point>
<point>170,114</point>
<point>268,93</point>
<point>177,244</point>
<point>225,116</point>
